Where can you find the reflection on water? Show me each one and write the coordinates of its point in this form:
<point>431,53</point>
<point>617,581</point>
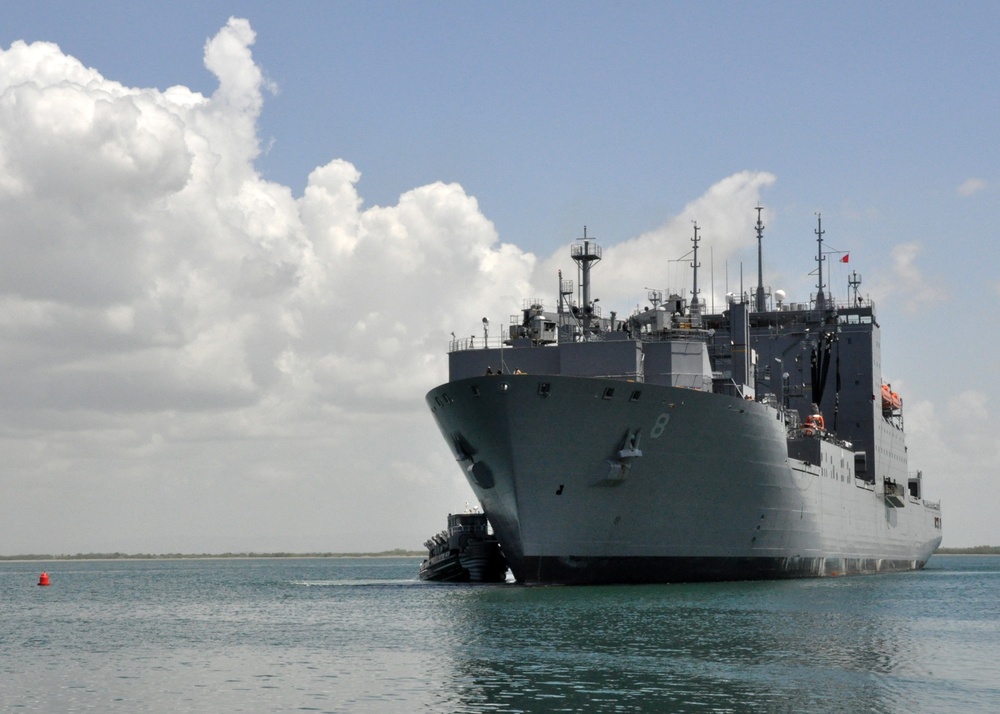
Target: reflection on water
<point>849,644</point>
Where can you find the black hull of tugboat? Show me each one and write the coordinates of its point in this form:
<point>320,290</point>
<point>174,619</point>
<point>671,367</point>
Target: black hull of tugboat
<point>445,568</point>
<point>477,563</point>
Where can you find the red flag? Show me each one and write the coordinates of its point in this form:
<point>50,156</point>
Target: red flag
<point>846,256</point>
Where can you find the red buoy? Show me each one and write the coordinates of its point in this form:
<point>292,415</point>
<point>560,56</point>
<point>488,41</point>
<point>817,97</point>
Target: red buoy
<point>43,579</point>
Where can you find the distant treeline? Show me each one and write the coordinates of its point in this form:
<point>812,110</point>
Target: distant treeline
<point>974,550</point>
<point>398,552</point>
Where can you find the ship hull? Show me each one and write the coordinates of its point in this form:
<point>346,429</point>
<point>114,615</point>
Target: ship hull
<point>590,480</point>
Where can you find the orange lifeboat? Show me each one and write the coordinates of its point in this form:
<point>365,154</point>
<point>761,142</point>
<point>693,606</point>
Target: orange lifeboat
<point>813,425</point>
<point>891,401</point>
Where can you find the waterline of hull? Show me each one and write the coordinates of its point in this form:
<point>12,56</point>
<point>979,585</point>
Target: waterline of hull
<point>636,570</point>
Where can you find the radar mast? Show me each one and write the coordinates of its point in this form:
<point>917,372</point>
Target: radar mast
<point>585,252</point>
<point>854,282</point>
<point>820,297</point>
<point>761,304</point>
<point>695,304</point>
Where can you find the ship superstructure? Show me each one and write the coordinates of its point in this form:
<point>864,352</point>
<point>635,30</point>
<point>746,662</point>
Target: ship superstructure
<point>679,444</point>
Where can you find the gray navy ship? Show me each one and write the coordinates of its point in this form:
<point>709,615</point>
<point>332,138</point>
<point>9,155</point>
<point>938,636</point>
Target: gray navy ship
<point>680,445</point>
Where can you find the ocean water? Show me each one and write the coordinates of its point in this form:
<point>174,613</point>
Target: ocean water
<point>363,635</point>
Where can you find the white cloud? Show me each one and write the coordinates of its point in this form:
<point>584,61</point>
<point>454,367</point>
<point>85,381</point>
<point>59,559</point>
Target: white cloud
<point>971,186</point>
<point>957,448</point>
<point>907,279</point>
<point>175,331</point>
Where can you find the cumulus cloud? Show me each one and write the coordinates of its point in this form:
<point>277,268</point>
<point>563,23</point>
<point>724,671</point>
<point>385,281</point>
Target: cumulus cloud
<point>170,320</point>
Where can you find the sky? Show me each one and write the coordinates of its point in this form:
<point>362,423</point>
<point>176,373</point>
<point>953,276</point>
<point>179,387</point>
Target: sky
<point>237,236</point>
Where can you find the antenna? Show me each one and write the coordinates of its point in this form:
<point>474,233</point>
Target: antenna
<point>711,264</point>
<point>695,306</point>
<point>853,282</point>
<point>695,265</point>
<point>820,298</point>
<point>761,306</point>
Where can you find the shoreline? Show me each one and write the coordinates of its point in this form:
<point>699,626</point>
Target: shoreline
<point>397,553</point>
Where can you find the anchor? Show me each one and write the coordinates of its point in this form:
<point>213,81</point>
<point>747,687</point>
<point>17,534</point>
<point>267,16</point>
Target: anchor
<point>619,465</point>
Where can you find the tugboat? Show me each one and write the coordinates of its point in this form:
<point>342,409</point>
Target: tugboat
<point>465,552</point>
